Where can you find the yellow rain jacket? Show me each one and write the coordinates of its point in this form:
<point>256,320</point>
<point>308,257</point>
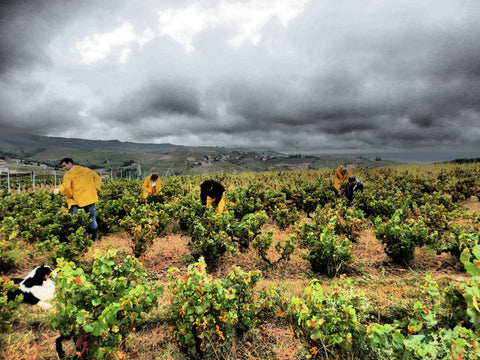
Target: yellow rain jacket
<point>81,186</point>
<point>220,206</point>
<point>339,179</point>
<point>149,189</point>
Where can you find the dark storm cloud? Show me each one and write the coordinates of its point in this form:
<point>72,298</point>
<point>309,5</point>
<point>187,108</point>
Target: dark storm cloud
<point>153,102</point>
<point>336,75</point>
<point>47,117</point>
<point>22,35</point>
<point>26,27</point>
<point>400,91</point>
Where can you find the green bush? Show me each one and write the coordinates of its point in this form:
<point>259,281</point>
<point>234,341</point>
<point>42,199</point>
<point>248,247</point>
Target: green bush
<point>8,246</point>
<point>348,221</point>
<point>463,296</point>
<point>444,326</point>
<point>73,248</point>
<point>211,237</point>
<point>188,210</point>
<point>275,204</point>
<point>329,323</point>
<point>244,201</point>
<point>460,238</point>
<point>115,202</point>
<point>248,228</point>
<point>285,249</point>
<point>401,235</point>
<point>98,308</point>
<point>143,224</point>
<point>207,314</point>
<point>7,308</point>
<point>328,254</point>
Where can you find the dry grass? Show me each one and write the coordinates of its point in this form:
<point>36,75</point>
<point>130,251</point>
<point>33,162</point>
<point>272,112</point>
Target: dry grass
<point>383,283</point>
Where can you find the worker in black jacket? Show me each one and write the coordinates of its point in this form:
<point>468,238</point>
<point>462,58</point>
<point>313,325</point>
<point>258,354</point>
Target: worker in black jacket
<point>353,184</point>
<point>212,192</point>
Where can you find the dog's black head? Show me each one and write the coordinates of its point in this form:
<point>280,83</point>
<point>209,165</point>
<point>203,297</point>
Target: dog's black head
<point>37,276</point>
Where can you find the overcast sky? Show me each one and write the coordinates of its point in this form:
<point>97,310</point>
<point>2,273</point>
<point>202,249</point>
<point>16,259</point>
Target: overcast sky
<point>309,76</point>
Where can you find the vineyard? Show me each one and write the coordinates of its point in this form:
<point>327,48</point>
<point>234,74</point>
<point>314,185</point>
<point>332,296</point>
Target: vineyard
<point>288,271</point>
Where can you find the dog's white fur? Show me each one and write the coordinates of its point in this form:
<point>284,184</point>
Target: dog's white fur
<point>43,292</point>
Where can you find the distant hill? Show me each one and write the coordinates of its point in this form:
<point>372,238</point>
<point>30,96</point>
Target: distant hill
<point>31,143</point>
<point>166,159</point>
<point>463,161</point>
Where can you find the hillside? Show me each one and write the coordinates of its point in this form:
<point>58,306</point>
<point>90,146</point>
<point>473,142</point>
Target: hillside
<point>167,159</point>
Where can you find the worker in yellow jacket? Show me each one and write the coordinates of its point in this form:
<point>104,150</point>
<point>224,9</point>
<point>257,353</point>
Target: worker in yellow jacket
<point>151,185</point>
<point>340,177</point>
<point>81,186</point>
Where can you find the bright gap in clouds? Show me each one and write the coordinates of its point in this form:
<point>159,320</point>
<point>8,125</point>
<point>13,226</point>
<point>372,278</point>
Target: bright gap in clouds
<point>96,47</point>
<point>246,19</point>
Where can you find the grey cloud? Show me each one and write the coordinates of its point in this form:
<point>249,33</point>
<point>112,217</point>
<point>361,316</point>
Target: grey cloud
<point>153,101</point>
<point>26,27</point>
<point>342,75</point>
<point>45,118</point>
<point>21,37</point>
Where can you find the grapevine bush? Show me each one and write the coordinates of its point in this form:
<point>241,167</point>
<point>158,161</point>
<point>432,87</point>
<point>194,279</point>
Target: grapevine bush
<point>211,238</point>
<point>8,245</point>
<point>284,249</point>
<point>7,308</point>
<point>144,223</point>
<point>347,221</point>
<point>329,254</point>
<point>401,235</point>
<point>245,231</point>
<point>329,323</point>
<point>206,314</point>
<point>444,326</point>
<point>100,306</point>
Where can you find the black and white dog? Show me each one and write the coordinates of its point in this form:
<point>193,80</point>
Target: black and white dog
<point>37,287</point>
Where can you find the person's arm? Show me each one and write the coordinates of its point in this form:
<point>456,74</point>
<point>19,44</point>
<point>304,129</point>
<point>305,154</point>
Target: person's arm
<point>65,187</point>
<point>146,187</point>
<point>360,186</point>
<point>146,184</point>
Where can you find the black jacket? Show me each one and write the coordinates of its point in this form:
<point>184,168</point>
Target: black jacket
<point>351,187</point>
<point>212,188</point>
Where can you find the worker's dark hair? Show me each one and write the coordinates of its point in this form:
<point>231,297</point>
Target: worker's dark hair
<point>351,178</point>
<point>66,161</point>
<point>154,176</point>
